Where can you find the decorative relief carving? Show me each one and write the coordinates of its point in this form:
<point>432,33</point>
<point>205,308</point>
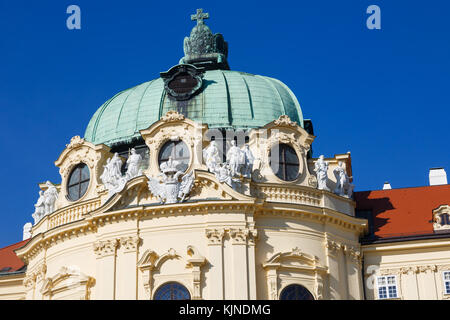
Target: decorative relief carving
<point>411,269</point>
<point>238,236</point>
<point>69,278</point>
<point>35,275</point>
<point>172,116</point>
<point>130,243</point>
<point>333,246</point>
<point>105,248</point>
<point>75,142</point>
<point>284,120</point>
<point>82,153</point>
<point>353,253</point>
<point>215,236</point>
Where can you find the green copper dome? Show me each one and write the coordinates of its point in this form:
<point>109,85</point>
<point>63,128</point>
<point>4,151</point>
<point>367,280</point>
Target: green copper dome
<point>227,99</point>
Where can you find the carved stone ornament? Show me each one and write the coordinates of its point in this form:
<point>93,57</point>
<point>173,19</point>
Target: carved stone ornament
<point>130,243</point>
<point>69,278</point>
<point>441,218</point>
<point>75,142</point>
<point>183,81</point>
<point>284,120</point>
<point>215,236</point>
<point>105,248</point>
<point>170,190</point>
<point>172,116</point>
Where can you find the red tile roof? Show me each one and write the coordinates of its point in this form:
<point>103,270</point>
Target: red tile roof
<point>403,212</point>
<point>8,258</point>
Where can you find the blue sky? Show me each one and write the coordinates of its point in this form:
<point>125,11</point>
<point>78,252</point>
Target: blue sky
<point>381,94</point>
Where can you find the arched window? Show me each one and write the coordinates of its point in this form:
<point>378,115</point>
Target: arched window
<point>296,292</point>
<point>78,182</point>
<point>178,150</point>
<point>445,219</point>
<point>172,291</point>
<point>284,162</point>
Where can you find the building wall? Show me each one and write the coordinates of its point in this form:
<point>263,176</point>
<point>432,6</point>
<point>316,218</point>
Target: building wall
<point>417,265</point>
<point>11,287</point>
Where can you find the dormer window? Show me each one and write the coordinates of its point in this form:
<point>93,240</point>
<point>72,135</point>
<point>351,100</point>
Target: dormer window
<point>441,218</point>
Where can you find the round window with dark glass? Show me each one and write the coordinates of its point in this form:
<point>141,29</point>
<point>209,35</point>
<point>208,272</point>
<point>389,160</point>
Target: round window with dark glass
<point>178,150</point>
<point>78,182</point>
<point>296,292</point>
<point>284,162</point>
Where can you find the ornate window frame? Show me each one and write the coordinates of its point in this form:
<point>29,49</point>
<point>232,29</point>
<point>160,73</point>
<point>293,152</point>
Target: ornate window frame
<point>307,273</point>
<point>150,264</point>
<point>437,213</point>
<point>281,131</point>
<point>66,191</point>
<point>173,126</point>
<point>68,279</point>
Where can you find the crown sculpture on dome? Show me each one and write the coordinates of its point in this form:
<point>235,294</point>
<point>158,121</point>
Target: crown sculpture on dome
<point>203,48</point>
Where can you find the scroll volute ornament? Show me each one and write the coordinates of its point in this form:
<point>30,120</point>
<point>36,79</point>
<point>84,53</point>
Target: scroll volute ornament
<point>76,152</point>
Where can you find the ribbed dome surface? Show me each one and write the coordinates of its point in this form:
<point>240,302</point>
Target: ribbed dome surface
<point>229,99</point>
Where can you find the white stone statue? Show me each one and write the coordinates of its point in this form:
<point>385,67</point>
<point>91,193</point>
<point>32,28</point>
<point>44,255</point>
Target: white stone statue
<point>134,163</point>
<point>170,189</point>
<point>235,159</point>
<point>248,162</point>
<point>116,167</point>
<point>321,169</point>
<point>50,196</point>
<point>27,230</point>
<point>39,211</point>
<point>211,156</point>
<point>223,174</point>
<point>112,176</point>
<point>343,186</point>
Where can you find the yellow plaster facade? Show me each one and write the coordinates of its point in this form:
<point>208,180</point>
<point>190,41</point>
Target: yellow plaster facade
<point>220,244</point>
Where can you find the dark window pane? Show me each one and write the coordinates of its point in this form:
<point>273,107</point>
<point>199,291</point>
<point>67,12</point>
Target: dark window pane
<point>172,291</point>
<point>83,188</point>
<point>75,177</point>
<point>284,162</point>
<point>84,173</point>
<point>73,192</point>
<point>78,182</point>
<point>296,292</point>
